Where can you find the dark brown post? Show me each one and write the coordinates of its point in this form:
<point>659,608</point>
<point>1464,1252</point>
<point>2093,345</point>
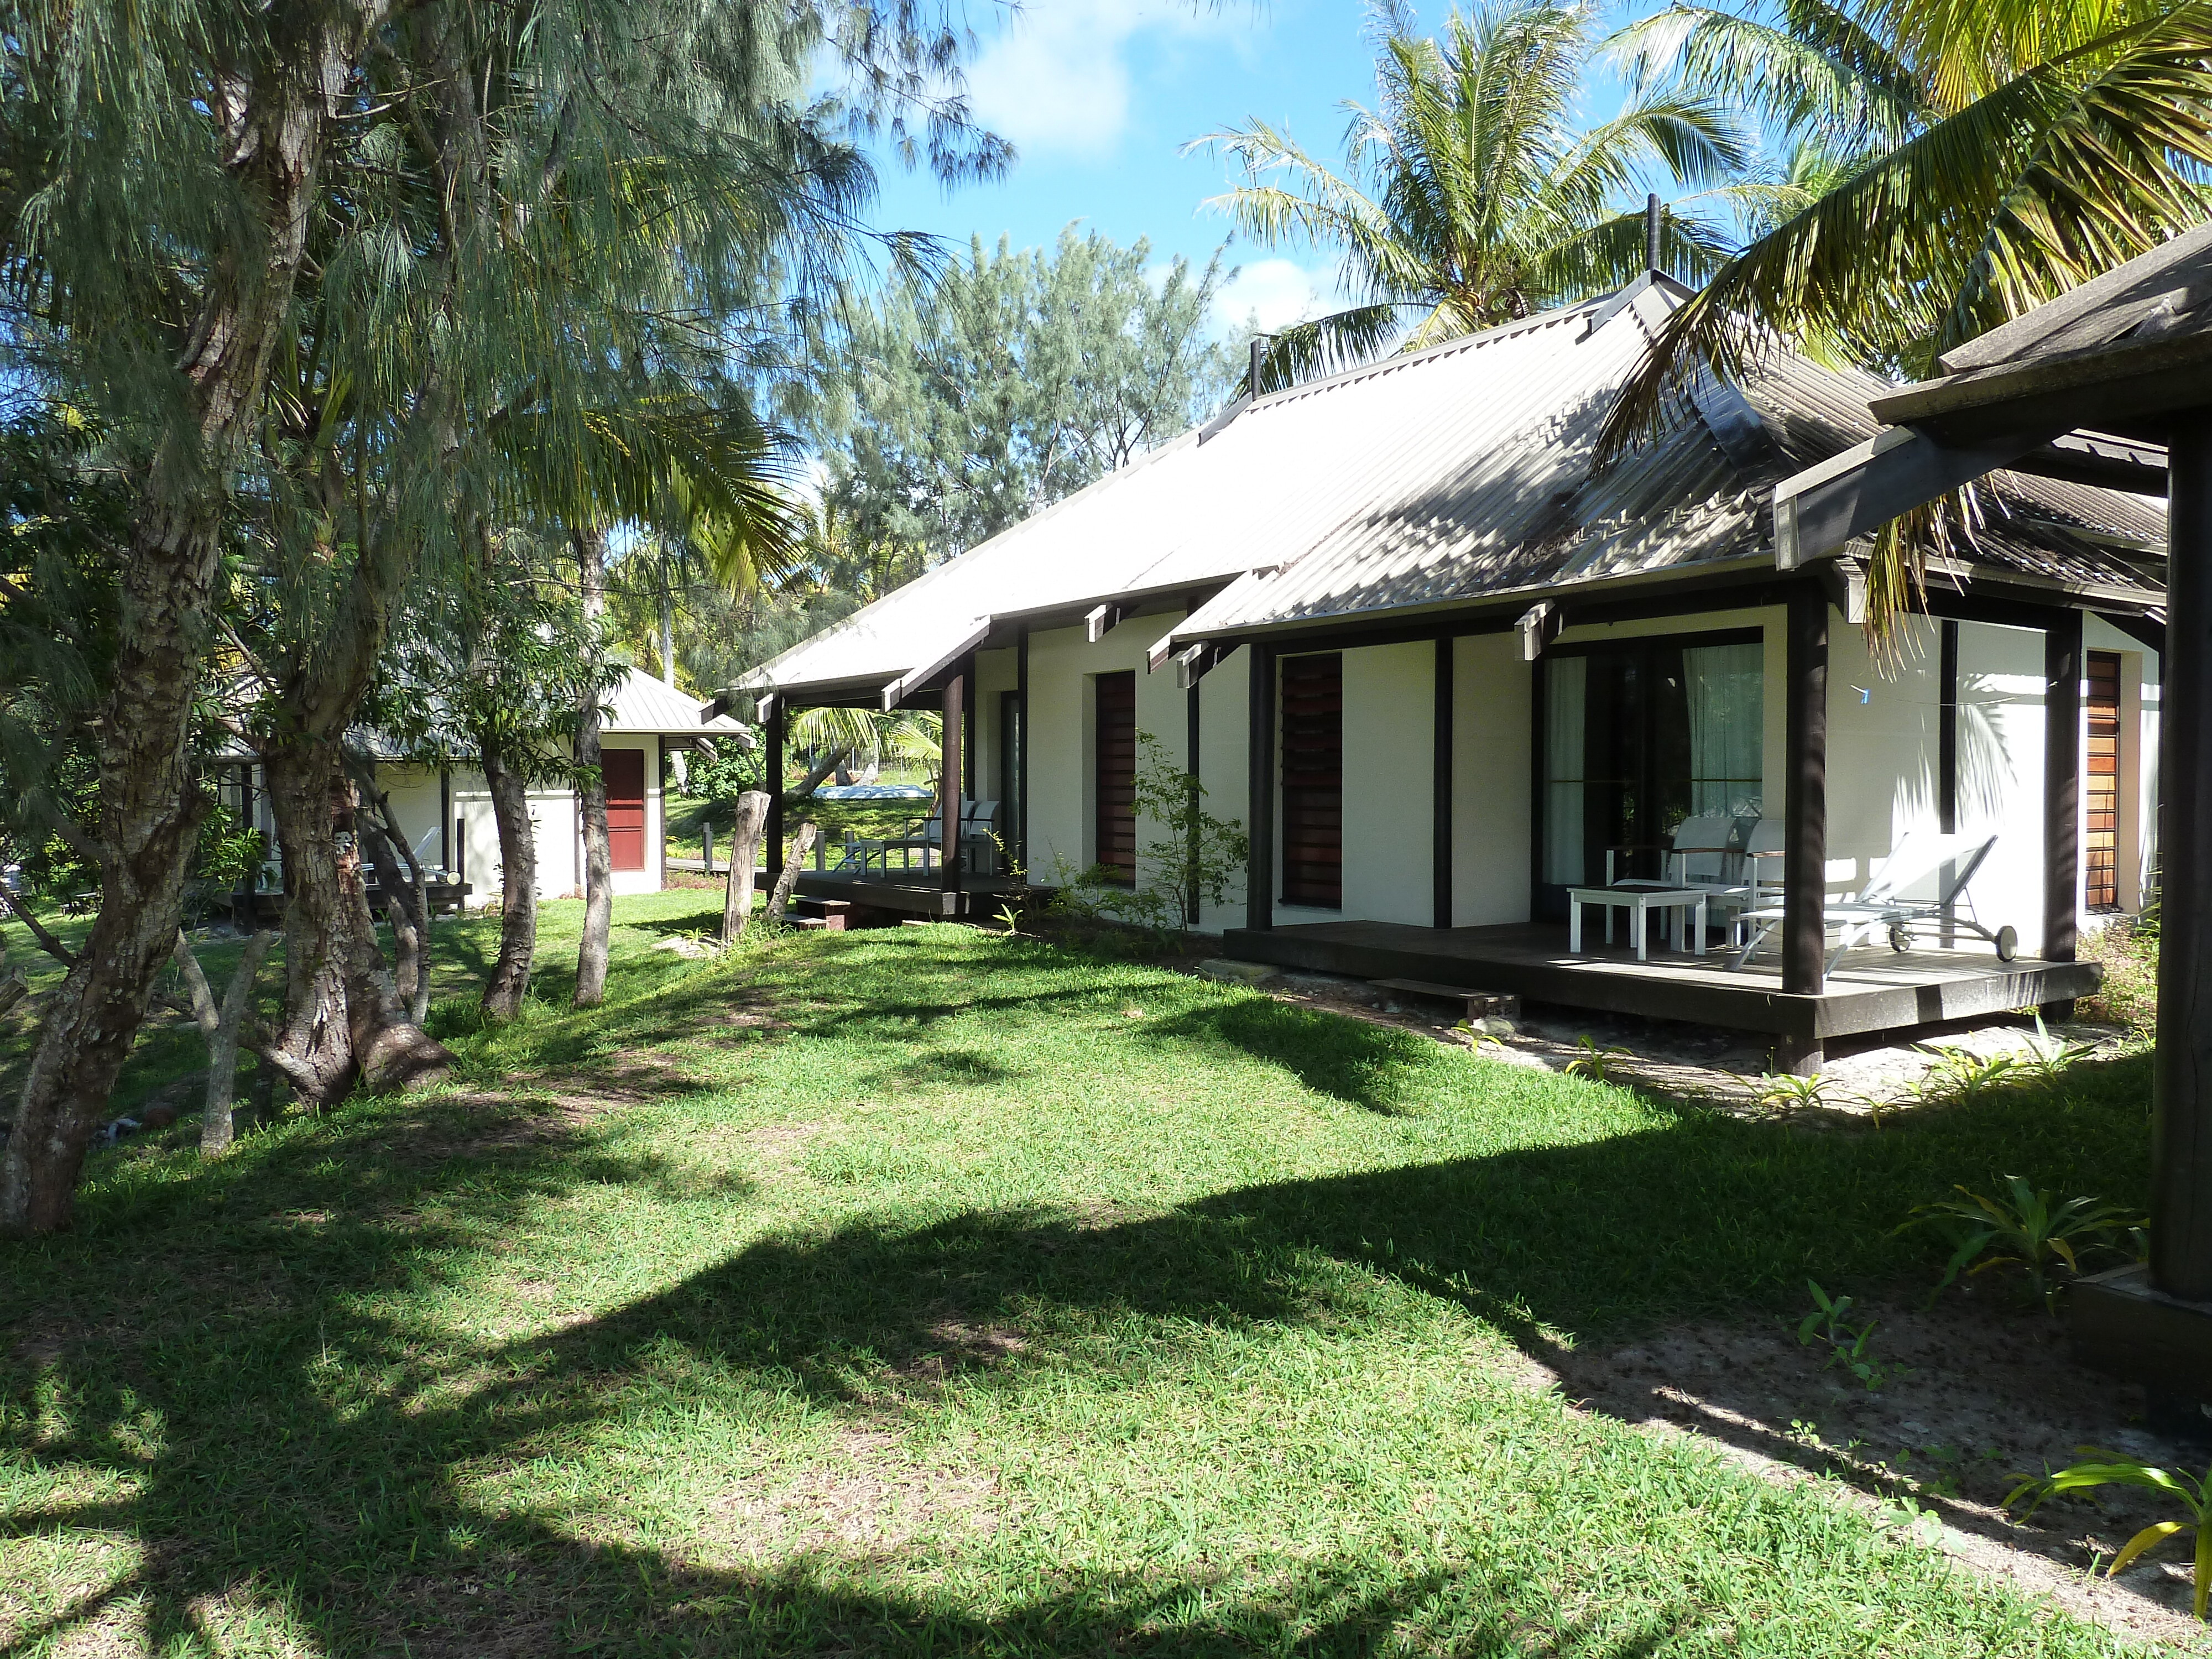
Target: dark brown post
<point>1191,898</point>
<point>1260,870</point>
<point>1021,837</point>
<point>1440,790</point>
<point>2062,790</point>
<point>951,766</point>
<point>2181,1125</point>
<point>772,781</point>
<point>1805,862</point>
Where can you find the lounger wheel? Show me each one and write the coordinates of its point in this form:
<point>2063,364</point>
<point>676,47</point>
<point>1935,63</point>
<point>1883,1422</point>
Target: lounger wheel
<point>2008,943</point>
<point>1900,940</point>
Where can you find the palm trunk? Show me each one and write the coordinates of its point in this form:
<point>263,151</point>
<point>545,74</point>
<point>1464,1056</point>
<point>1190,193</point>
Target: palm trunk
<point>591,787</point>
<point>151,806</point>
<point>518,884</point>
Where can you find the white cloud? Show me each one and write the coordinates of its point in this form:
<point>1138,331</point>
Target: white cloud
<point>1273,292</point>
<point>1056,79</point>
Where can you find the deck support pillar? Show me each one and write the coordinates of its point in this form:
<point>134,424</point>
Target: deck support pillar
<point>2156,1327</point>
<point>2062,793</point>
<point>1805,859</point>
<point>951,773</point>
<point>771,780</point>
<point>1440,790</point>
<point>1259,867</point>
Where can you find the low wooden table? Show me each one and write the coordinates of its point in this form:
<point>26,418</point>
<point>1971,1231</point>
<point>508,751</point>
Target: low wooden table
<point>1687,904</point>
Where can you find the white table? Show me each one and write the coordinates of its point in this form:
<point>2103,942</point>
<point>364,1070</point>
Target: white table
<point>1687,904</point>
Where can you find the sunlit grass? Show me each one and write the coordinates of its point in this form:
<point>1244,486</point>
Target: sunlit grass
<point>929,1291</point>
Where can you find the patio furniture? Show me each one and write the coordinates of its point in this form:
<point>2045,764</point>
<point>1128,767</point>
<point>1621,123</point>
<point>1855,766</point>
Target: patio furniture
<point>979,821</point>
<point>1880,906</point>
<point>1688,905</point>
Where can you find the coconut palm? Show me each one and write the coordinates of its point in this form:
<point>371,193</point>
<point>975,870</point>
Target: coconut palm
<point>1467,196</point>
<point>1988,154</point>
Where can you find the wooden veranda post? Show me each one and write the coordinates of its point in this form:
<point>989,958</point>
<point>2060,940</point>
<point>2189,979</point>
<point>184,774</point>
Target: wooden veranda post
<point>1259,871</point>
<point>2181,1125</point>
<point>951,769</point>
<point>1805,809</point>
<point>2062,791</point>
<point>772,778</point>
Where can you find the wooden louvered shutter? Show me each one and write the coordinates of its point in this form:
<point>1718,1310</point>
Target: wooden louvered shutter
<point>1313,781</point>
<point>2101,813</point>
<point>1116,781</point>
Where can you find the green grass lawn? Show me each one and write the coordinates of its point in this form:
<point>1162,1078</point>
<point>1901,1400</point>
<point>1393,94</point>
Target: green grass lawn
<point>931,1291</point>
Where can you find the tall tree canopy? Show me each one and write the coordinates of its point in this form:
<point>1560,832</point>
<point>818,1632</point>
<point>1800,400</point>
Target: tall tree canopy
<point>1468,195</point>
<point>957,406</point>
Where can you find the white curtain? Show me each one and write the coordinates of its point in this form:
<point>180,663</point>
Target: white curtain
<point>1567,688</point>
<point>1727,688</point>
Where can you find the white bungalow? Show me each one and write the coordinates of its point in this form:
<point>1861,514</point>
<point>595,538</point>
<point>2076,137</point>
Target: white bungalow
<point>1442,666</point>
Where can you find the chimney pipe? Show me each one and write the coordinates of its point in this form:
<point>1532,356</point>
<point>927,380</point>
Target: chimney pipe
<point>1651,212</point>
<point>1252,375</point>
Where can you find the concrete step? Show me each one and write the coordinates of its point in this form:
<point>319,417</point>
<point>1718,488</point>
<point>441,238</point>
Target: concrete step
<point>807,905</point>
<point>814,924</point>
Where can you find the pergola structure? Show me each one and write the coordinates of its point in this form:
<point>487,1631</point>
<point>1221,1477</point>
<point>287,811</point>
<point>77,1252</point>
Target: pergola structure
<point>2111,383</point>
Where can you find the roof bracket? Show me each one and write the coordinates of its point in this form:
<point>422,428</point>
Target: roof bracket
<point>1193,664</point>
<point>763,705</point>
<point>1845,582</point>
<point>1100,622</point>
<point>1539,625</point>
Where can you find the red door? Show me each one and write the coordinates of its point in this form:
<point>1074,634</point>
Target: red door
<point>625,771</point>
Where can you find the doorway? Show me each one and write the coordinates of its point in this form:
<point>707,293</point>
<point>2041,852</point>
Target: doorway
<point>624,772</point>
<point>1634,736</point>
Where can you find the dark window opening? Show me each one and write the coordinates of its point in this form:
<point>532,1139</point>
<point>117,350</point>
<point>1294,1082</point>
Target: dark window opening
<point>1313,781</point>
<point>1115,780</point>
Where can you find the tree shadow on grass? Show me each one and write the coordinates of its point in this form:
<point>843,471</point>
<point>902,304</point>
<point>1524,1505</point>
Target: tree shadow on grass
<point>1353,1061</point>
<point>309,1440</point>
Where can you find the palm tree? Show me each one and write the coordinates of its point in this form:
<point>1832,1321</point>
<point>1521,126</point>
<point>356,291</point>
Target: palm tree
<point>1984,156</point>
<point>1468,197</point>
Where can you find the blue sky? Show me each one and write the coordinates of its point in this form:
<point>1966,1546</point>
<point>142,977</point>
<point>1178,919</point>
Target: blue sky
<point>1099,96</point>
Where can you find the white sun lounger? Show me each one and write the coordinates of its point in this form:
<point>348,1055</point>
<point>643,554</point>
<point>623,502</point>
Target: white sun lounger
<point>1879,907</point>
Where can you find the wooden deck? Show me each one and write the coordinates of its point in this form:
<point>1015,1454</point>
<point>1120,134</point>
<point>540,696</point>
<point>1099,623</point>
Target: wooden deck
<point>1871,990</point>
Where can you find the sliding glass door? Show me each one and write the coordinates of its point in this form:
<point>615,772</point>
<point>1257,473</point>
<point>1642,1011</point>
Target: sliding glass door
<point>1635,736</point>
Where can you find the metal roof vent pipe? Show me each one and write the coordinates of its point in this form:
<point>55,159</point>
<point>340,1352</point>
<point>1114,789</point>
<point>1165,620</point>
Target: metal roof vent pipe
<point>1259,349</point>
<point>1652,217</point>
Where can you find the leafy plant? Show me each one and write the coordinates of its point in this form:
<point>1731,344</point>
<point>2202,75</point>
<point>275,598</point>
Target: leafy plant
<point>1191,859</point>
<point>2027,1228</point>
<point>2053,1057</point>
<point>1593,1062</point>
<point>1478,1039</point>
<point>1784,1092</point>
<point>1848,1346</point>
<point>2104,1468</point>
<point>1009,918</point>
<point>1958,1073</point>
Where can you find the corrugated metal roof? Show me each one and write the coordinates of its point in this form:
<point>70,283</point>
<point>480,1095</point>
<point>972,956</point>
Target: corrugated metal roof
<point>640,703</point>
<point>1461,472</point>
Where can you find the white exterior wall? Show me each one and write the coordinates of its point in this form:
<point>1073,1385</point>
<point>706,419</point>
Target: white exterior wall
<point>1062,665</point>
<point>1883,757</point>
<point>1390,761</point>
<point>555,820</point>
<point>1491,812</point>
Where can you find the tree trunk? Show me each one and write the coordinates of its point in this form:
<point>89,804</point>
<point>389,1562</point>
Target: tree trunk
<point>518,884</point>
<point>150,805</point>
<point>745,852</point>
<point>801,844</point>
<point>220,1025</point>
<point>343,1019</point>
<point>667,636</point>
<point>406,906</point>
<point>591,785</point>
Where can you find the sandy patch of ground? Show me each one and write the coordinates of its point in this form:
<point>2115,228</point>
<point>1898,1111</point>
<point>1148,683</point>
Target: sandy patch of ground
<point>869,1500</point>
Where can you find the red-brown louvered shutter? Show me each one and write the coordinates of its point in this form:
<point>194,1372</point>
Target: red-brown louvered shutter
<point>2101,815</point>
<point>624,772</point>
<point>1115,782</point>
<point>1313,781</point>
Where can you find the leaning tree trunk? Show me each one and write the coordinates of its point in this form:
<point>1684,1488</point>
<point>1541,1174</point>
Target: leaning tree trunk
<point>220,1023</point>
<point>343,1019</point>
<point>406,906</point>
<point>150,806</point>
<point>517,883</point>
<point>591,787</point>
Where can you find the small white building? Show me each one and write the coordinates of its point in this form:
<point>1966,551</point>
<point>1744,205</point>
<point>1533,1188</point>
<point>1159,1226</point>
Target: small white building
<point>446,812</point>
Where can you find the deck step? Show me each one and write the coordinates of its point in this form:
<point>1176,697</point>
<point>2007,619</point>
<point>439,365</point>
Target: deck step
<point>814,924</point>
<point>809,905</point>
<point>1480,1005</point>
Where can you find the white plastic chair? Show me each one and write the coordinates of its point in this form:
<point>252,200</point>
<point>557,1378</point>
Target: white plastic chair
<point>1879,907</point>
